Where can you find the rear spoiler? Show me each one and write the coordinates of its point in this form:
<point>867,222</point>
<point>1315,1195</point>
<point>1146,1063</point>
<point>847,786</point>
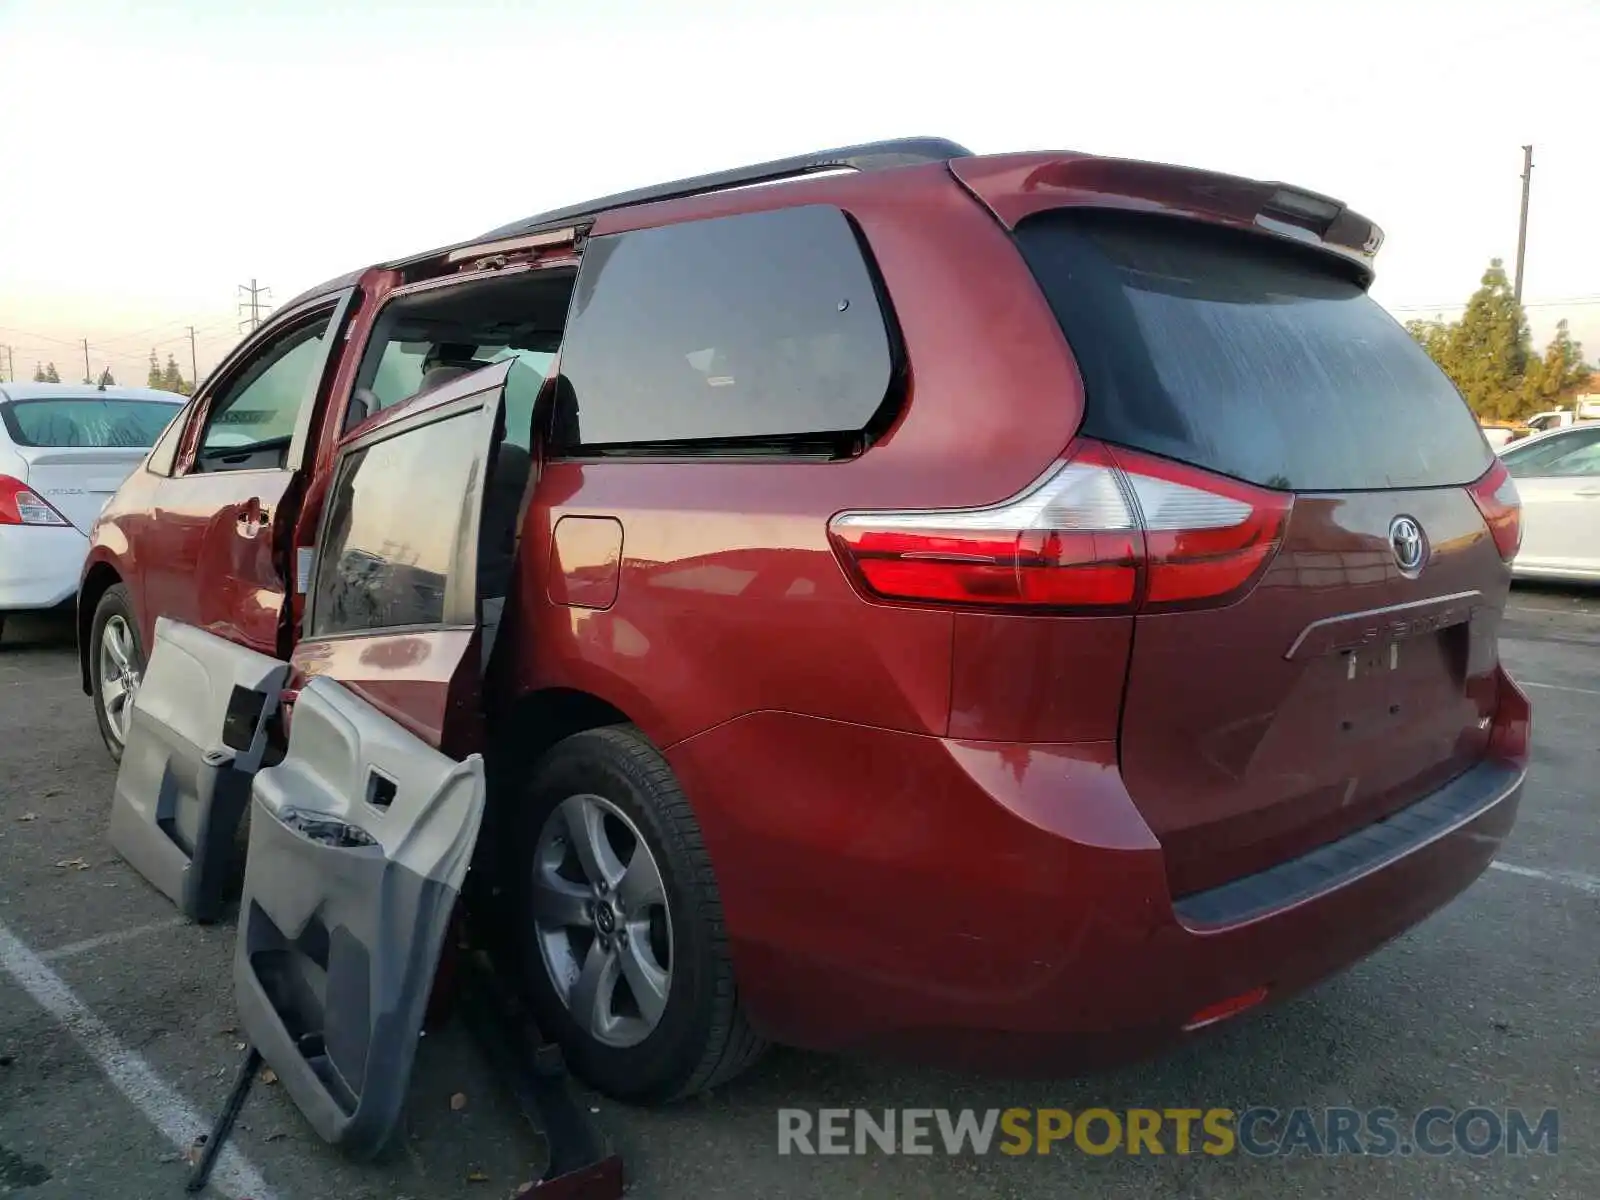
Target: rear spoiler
<point>1016,186</point>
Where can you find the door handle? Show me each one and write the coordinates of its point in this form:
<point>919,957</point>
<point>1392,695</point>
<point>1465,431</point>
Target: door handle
<point>1591,494</point>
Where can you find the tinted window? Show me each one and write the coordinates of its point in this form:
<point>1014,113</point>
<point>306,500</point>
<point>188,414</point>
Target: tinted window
<point>1584,460</point>
<point>1223,350</point>
<point>252,420</point>
<point>399,377</point>
<point>764,325</point>
<point>88,423</point>
<point>394,521</point>
<point>1551,456</point>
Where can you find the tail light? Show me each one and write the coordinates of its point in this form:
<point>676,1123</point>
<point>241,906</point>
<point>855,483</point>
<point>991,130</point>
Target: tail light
<point>20,506</point>
<point>1496,497</point>
<point>1103,529</point>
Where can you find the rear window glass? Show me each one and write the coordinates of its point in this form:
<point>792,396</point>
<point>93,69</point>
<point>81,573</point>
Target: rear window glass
<point>758,326</point>
<point>1219,349</point>
<point>91,424</point>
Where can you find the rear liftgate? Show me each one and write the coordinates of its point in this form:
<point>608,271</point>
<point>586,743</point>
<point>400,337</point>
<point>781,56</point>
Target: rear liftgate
<point>197,735</point>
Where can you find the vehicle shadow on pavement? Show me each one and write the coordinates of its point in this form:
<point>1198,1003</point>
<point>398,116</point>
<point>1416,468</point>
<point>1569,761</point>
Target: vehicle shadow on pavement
<point>36,631</point>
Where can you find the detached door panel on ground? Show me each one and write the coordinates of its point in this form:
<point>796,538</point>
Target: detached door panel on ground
<point>363,825</point>
<point>359,844</point>
<point>196,736</point>
<point>360,839</point>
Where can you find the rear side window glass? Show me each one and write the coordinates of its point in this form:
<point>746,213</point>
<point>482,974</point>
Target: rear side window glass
<point>89,424</point>
<point>395,522</point>
<point>1220,349</point>
<point>757,326</point>
<point>1553,456</point>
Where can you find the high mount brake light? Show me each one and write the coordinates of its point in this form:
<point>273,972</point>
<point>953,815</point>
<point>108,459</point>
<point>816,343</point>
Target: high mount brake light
<point>1104,530</point>
<point>21,506</point>
<point>1495,494</point>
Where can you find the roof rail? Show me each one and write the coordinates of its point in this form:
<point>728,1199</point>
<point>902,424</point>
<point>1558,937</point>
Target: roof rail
<point>869,156</point>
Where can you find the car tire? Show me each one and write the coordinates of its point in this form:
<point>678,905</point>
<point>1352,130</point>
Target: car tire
<point>114,607</point>
<point>701,1038</point>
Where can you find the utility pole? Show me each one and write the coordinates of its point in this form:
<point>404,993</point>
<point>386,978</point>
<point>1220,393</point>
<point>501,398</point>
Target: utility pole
<point>88,378</point>
<point>251,296</point>
<point>11,363</point>
<point>194,368</point>
<point>1522,226</point>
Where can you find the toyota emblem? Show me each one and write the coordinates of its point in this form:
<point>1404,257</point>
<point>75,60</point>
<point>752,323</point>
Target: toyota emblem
<point>1405,537</point>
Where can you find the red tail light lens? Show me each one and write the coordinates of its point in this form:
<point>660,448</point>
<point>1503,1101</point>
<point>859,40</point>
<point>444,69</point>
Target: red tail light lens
<point>1496,497</point>
<point>1102,529</point>
<point>19,506</point>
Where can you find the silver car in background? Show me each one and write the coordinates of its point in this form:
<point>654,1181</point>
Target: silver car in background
<point>1558,477</point>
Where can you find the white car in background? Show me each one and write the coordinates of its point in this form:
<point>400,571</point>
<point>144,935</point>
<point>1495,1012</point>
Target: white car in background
<point>1558,478</point>
<point>64,449</point>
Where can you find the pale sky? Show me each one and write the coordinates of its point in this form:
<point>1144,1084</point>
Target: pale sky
<point>158,153</point>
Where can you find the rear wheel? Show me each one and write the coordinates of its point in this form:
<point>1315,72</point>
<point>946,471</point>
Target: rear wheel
<point>116,666</point>
<point>618,924</point>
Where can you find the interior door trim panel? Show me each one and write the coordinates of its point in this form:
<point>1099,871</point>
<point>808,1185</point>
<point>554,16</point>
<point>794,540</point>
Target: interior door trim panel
<point>346,907</point>
<point>197,734</point>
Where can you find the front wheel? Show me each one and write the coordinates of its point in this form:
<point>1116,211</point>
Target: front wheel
<point>116,666</point>
<point>619,926</point>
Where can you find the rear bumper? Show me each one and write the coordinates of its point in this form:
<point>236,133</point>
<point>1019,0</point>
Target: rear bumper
<point>1005,908</point>
<point>39,565</point>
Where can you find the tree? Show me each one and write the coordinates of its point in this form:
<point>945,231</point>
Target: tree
<point>154,378</point>
<point>105,378</point>
<point>1488,354</point>
<point>1560,373</point>
<point>1433,336</point>
<point>1487,349</point>
<point>46,374</point>
<point>172,379</point>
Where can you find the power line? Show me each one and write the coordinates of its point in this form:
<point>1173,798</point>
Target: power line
<point>1570,301</point>
<point>40,336</point>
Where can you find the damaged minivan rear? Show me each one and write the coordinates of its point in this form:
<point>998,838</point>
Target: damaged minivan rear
<point>1012,612</point>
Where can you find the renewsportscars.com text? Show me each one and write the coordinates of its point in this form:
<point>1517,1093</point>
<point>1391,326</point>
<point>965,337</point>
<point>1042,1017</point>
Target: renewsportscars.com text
<point>1255,1132</point>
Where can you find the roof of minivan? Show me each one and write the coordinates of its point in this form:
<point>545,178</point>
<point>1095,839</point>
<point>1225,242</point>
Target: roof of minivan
<point>84,391</point>
<point>869,157</point>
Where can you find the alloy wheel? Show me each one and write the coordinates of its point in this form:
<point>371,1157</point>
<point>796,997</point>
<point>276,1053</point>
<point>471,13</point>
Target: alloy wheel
<point>120,676</point>
<point>601,920</point>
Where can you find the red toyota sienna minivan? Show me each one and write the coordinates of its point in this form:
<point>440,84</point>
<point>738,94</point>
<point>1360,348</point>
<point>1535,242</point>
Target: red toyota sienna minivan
<point>1011,611</point>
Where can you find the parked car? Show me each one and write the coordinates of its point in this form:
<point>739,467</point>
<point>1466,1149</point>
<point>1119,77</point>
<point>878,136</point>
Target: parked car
<point>1558,478</point>
<point>1009,611</point>
<point>64,449</point>
<point>1500,434</point>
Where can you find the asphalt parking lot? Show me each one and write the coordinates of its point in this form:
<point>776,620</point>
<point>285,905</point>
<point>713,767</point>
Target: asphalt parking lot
<point>117,1038</point>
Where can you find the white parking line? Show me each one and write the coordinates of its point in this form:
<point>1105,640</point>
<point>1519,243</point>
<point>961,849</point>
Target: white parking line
<point>1558,687</point>
<point>72,949</point>
<point>160,1103</point>
<point>1571,879</point>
